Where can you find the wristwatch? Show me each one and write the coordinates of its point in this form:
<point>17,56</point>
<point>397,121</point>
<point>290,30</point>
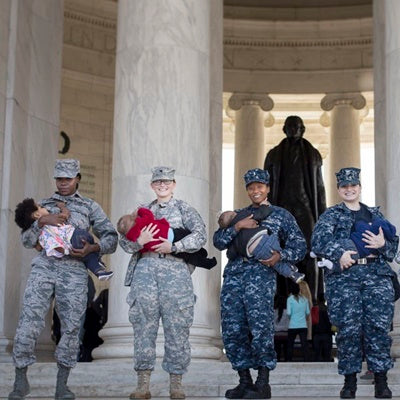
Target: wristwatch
<point>173,249</point>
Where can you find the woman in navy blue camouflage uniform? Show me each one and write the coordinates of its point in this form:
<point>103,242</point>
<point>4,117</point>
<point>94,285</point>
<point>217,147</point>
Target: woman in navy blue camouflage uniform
<point>247,296</point>
<point>359,291</point>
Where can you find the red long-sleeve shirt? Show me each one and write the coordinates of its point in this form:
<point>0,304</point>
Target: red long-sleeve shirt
<point>144,218</point>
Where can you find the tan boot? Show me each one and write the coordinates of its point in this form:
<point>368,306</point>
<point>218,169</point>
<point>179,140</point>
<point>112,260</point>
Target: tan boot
<point>175,387</point>
<point>143,385</point>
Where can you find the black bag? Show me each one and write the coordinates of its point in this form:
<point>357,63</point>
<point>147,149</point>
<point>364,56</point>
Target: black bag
<point>396,286</point>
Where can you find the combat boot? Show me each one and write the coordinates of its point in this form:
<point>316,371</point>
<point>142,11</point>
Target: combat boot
<point>382,390</point>
<point>350,387</point>
<point>143,385</point>
<point>175,387</point>
<point>21,385</point>
<point>62,390</point>
<point>245,389</point>
<point>262,384</point>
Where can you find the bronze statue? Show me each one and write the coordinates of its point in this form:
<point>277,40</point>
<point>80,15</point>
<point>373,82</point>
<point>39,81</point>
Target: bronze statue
<point>296,184</point>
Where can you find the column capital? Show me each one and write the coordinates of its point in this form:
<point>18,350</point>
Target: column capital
<point>238,100</point>
<point>331,100</point>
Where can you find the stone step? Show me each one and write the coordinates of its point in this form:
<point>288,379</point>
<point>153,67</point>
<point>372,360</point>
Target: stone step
<point>204,379</point>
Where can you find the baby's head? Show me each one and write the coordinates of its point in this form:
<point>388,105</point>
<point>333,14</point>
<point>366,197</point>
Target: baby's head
<point>27,212</point>
<point>126,222</point>
<point>226,218</point>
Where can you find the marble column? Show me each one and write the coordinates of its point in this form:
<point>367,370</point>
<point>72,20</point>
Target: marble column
<point>344,137</point>
<point>30,81</point>
<point>249,137</point>
<point>163,99</point>
<point>386,14</point>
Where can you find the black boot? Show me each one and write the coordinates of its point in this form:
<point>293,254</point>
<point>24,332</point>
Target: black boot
<point>350,387</point>
<point>62,390</point>
<point>245,387</point>
<point>262,383</point>
<point>382,390</point>
<point>21,385</point>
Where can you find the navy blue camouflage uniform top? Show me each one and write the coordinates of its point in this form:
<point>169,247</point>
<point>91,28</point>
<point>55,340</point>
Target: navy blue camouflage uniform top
<point>248,291</point>
<point>279,222</point>
<point>331,236</point>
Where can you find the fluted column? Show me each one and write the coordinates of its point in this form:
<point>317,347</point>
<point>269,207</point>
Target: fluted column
<point>30,82</point>
<point>162,117</point>
<point>386,14</point>
<point>249,137</point>
<point>344,138</point>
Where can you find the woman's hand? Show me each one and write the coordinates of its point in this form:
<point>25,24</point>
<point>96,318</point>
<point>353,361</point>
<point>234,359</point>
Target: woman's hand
<point>164,247</point>
<point>147,234</point>
<point>52,219</point>
<point>246,223</point>
<point>346,261</point>
<point>374,241</point>
<point>85,250</point>
<point>63,209</point>
<point>38,247</point>
<point>274,259</point>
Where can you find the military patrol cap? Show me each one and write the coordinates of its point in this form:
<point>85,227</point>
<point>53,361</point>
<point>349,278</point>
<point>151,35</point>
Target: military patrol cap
<point>66,168</point>
<point>162,173</point>
<point>348,176</point>
<point>256,175</point>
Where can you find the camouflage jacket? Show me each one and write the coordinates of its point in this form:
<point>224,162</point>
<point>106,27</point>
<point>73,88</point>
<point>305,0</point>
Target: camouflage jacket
<point>179,214</point>
<point>85,214</point>
<point>280,222</point>
<point>331,235</point>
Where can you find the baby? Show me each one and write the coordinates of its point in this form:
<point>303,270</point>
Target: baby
<point>358,245</point>
<point>256,242</point>
<point>57,241</point>
<point>131,225</point>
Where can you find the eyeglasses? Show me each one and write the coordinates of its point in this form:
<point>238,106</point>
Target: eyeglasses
<point>160,182</point>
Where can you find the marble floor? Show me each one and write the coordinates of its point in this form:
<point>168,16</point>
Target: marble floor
<point>198,398</point>
<point>115,380</point>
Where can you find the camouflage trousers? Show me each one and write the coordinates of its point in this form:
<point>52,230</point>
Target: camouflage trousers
<point>247,317</point>
<point>161,288</point>
<point>66,281</point>
<point>360,305</point>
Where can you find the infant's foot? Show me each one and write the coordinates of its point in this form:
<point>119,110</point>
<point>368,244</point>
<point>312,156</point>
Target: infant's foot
<point>297,277</point>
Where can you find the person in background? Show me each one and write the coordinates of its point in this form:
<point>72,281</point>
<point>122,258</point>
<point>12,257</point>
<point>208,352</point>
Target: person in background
<point>281,323</point>
<point>322,333</point>
<point>305,292</point>
<point>297,309</point>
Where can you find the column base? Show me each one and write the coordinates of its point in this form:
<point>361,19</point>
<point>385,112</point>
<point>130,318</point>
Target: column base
<point>118,343</point>
<point>395,334</point>
<point>44,351</point>
<point>5,350</point>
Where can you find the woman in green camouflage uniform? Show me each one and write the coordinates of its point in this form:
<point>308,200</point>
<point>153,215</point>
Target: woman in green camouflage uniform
<point>161,287</point>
